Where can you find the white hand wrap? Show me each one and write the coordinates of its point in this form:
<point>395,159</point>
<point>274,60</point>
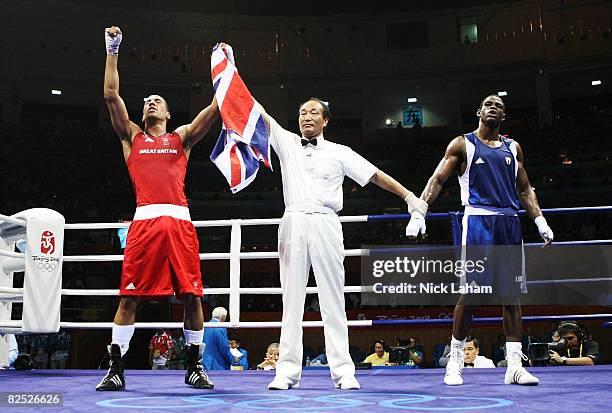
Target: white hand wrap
<point>417,209</point>
<point>545,232</point>
<point>112,43</point>
<point>229,53</point>
<point>416,204</point>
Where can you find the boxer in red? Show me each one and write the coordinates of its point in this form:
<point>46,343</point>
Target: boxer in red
<point>161,255</point>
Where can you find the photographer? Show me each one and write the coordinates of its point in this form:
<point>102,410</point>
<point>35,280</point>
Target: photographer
<point>578,352</point>
<point>416,355</point>
<point>379,357</point>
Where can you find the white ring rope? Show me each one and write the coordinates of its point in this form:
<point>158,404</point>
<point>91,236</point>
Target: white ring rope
<point>204,257</point>
<point>11,290</point>
<point>11,298</point>
<point>211,223</point>
<point>13,324</point>
<point>12,254</point>
<point>13,220</point>
<point>207,291</point>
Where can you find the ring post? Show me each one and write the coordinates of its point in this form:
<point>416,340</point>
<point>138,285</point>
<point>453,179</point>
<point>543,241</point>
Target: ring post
<point>455,224</point>
<point>234,293</point>
<point>43,270</point>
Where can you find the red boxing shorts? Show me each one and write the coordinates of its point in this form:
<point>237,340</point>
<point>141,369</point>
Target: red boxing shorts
<point>161,258</point>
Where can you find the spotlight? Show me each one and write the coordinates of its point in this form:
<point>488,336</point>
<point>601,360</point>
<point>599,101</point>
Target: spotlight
<point>412,100</point>
<point>595,82</point>
<point>502,93</point>
<point>56,92</point>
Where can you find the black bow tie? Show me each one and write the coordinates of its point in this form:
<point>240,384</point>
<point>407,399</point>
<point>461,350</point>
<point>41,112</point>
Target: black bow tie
<point>306,141</point>
<point>468,364</point>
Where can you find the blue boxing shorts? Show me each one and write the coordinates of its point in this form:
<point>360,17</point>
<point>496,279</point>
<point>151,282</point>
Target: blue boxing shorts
<point>496,239</point>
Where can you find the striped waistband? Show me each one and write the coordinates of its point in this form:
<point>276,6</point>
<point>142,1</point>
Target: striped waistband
<point>310,209</point>
<point>160,210</point>
<point>487,210</point>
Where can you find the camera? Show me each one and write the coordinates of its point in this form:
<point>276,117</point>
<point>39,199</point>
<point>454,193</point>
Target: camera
<point>399,355</point>
<point>23,362</point>
<point>538,353</point>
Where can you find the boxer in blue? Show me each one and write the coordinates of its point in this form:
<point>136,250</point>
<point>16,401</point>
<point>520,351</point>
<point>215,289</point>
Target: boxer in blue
<point>493,184</point>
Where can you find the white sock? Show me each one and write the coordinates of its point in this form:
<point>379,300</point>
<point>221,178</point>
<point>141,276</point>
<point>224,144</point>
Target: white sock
<point>194,336</point>
<point>513,346</point>
<point>513,351</point>
<point>122,336</point>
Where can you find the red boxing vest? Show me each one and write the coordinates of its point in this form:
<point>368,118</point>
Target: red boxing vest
<point>157,167</point>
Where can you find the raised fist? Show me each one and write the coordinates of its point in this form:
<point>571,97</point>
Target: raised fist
<point>227,49</point>
<point>112,37</point>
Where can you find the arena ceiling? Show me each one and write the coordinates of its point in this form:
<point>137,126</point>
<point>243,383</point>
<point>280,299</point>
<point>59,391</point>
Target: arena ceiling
<point>294,8</point>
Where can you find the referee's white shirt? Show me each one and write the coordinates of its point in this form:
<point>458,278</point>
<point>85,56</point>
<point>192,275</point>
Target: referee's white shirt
<point>313,175</point>
<point>481,362</point>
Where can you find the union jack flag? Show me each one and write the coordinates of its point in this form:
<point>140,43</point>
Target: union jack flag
<point>243,142</point>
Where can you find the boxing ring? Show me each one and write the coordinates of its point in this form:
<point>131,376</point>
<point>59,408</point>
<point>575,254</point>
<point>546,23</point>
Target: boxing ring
<point>383,389</point>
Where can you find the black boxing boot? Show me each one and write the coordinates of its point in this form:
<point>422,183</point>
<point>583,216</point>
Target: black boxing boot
<point>194,374</point>
<point>114,379</point>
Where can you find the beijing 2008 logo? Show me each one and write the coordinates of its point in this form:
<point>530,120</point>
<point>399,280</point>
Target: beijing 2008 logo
<point>47,243</point>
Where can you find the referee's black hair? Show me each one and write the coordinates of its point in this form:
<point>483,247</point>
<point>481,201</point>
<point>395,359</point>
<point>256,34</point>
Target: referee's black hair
<point>474,339</point>
<point>326,111</point>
